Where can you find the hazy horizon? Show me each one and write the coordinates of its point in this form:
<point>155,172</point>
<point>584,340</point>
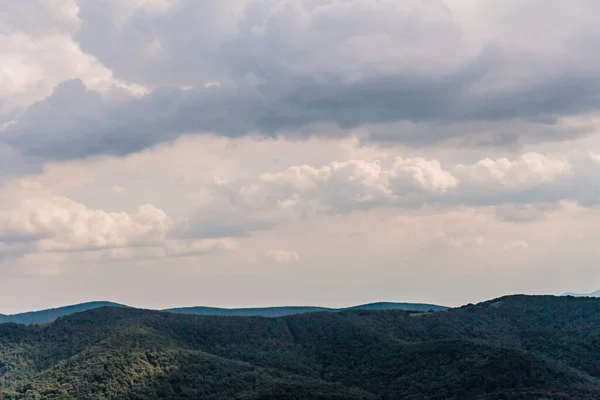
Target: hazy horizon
<point>209,306</point>
<point>164,153</point>
<point>267,305</point>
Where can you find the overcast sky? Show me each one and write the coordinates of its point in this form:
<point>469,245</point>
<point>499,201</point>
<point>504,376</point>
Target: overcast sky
<point>244,153</point>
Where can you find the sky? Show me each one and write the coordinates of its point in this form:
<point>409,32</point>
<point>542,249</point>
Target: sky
<point>242,153</point>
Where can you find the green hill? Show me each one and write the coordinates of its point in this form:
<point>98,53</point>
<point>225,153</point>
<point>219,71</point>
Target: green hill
<point>516,347</point>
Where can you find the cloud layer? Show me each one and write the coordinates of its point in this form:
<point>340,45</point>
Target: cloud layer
<point>343,186</point>
<point>293,68</point>
<point>439,147</point>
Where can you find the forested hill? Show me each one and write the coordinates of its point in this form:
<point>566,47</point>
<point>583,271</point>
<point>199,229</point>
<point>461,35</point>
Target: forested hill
<point>517,347</point>
<point>43,316</point>
<point>291,310</point>
<point>38,317</point>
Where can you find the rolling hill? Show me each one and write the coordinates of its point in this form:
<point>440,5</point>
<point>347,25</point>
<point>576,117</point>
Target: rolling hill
<point>291,310</point>
<point>49,315</point>
<point>514,347</point>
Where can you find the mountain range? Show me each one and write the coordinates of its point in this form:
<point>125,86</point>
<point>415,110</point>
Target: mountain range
<point>514,347</point>
<point>49,315</point>
<point>592,294</point>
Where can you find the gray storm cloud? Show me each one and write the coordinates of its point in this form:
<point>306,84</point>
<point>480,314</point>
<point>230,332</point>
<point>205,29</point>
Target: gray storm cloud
<point>288,67</point>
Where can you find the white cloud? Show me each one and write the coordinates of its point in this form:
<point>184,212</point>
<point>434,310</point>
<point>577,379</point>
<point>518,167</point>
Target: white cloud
<point>528,170</point>
<point>38,52</point>
<point>427,174</point>
<point>283,256</point>
<point>46,224</point>
<point>343,186</point>
<point>594,157</point>
<point>353,183</point>
<point>60,224</point>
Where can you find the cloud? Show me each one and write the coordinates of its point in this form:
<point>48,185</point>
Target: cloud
<point>529,169</point>
<point>283,256</point>
<point>222,221</point>
<point>37,54</point>
<point>344,186</point>
<point>39,17</point>
<point>284,68</point>
<point>13,163</point>
<point>522,213</point>
<point>60,224</point>
<point>191,248</point>
<point>357,183</point>
<point>432,130</point>
<point>74,122</point>
<point>517,245</point>
<point>51,224</point>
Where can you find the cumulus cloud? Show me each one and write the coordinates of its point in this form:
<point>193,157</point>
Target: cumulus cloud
<point>58,224</point>
<point>357,183</point>
<point>530,169</point>
<point>343,186</point>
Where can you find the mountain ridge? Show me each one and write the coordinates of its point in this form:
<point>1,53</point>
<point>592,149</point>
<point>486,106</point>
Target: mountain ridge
<point>591,294</point>
<point>280,311</point>
<point>512,347</point>
<point>51,314</point>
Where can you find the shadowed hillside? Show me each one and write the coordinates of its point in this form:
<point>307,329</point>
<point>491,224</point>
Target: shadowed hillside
<point>517,347</point>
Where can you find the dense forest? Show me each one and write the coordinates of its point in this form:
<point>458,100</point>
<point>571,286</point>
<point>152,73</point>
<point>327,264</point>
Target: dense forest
<point>515,347</point>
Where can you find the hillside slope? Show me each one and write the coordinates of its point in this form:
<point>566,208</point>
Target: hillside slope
<point>515,347</point>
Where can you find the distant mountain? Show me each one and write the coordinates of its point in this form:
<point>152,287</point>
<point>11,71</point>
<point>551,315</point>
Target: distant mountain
<point>247,312</point>
<point>396,306</point>
<point>49,315</point>
<point>514,347</point>
<point>44,316</point>
<point>293,310</point>
<point>593,294</point>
